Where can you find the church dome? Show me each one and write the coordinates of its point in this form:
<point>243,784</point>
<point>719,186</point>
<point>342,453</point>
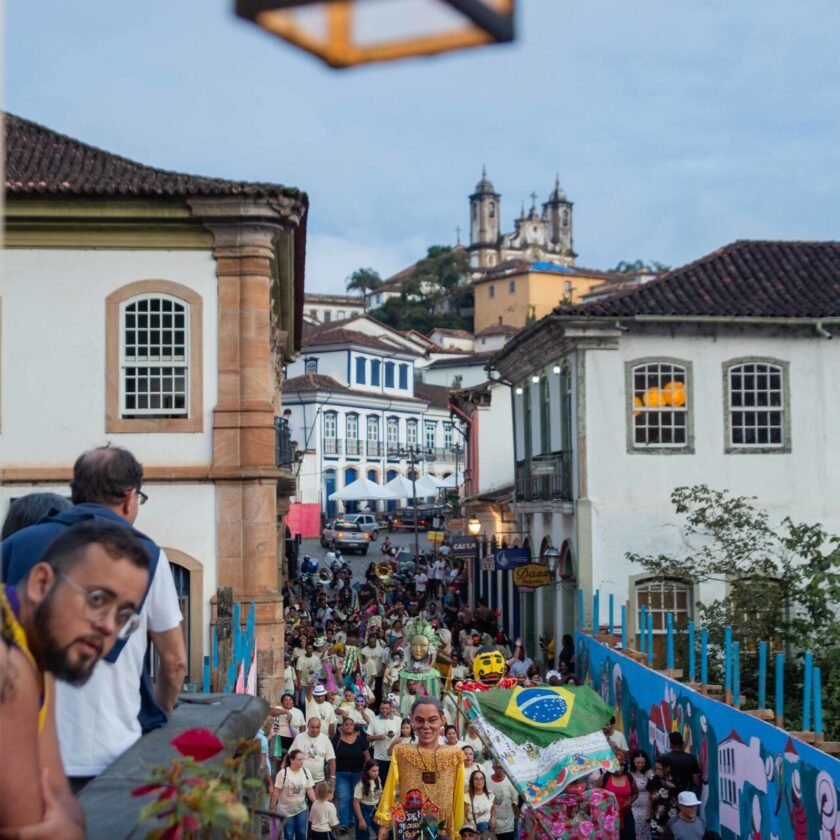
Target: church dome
<point>558,193</point>
<point>485,185</point>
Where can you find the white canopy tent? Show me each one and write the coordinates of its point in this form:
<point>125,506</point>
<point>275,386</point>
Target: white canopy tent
<point>450,481</point>
<point>426,486</point>
<point>401,486</point>
<point>362,488</point>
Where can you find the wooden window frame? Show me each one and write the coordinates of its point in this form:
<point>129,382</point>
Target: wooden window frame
<point>114,422</point>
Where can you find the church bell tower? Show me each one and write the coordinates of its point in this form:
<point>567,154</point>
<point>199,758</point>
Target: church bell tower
<point>485,207</point>
<point>558,212</point>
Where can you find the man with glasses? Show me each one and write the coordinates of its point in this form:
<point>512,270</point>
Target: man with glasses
<point>57,622</point>
<point>99,722</point>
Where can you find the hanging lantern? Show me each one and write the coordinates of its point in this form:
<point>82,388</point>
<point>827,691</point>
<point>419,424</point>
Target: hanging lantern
<point>674,393</point>
<point>654,398</point>
<point>344,33</point>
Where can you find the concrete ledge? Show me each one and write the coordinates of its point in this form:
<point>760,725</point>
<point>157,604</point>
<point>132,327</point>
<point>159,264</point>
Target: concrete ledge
<point>110,809</point>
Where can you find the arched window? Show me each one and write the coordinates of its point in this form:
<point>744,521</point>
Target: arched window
<point>373,444</point>
<point>392,431</point>
<point>659,402</point>
<point>757,415</point>
<point>661,596</point>
<point>153,341</point>
<point>411,432</point>
<point>491,210</point>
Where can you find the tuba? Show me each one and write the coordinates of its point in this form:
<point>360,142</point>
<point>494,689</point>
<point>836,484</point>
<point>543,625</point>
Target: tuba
<point>384,573</point>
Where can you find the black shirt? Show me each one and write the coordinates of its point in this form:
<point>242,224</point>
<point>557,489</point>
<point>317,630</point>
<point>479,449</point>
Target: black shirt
<point>683,766</point>
<point>349,758</point>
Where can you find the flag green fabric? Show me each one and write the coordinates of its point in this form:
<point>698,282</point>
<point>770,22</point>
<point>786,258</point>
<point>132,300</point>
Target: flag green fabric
<point>544,713</point>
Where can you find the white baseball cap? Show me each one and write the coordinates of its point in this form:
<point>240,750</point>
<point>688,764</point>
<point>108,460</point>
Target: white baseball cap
<point>688,799</point>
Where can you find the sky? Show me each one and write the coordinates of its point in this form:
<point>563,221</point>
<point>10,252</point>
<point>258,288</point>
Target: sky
<point>675,126</point>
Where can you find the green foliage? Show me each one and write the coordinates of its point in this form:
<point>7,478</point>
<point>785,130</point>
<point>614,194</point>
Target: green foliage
<point>625,267</point>
<point>364,280</point>
<point>783,586</point>
<point>202,799</point>
<point>435,294</point>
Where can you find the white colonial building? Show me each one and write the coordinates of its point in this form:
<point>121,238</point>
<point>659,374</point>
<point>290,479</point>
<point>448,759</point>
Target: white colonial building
<point>354,406</point>
<point>151,309</point>
<point>722,373</point>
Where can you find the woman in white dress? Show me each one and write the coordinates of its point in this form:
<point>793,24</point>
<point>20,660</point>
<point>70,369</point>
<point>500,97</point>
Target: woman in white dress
<point>642,774</point>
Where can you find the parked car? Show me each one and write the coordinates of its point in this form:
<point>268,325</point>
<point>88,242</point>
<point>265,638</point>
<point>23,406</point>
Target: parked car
<point>403,518</point>
<point>367,521</point>
<point>348,536</point>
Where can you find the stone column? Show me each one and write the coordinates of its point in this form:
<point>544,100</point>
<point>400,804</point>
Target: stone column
<point>247,481</point>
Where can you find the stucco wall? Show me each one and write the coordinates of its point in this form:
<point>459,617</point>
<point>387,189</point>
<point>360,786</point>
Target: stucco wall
<point>53,353</point>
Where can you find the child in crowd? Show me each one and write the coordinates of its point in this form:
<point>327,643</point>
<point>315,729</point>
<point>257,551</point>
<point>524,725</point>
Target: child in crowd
<point>323,817</point>
<point>366,800</point>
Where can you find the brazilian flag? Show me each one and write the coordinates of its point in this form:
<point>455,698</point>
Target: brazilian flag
<point>544,713</point>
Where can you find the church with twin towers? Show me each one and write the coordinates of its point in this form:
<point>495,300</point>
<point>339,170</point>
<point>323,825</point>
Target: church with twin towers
<point>538,236</point>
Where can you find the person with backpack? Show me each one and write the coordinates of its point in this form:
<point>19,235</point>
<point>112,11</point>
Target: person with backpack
<point>293,786</point>
<point>99,721</point>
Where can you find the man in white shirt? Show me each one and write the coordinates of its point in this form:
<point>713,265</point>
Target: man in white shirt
<point>317,751</point>
<point>98,721</point>
<point>373,655</point>
<point>615,736</point>
<point>307,666</point>
<point>318,707</point>
<point>382,730</point>
<point>507,801</point>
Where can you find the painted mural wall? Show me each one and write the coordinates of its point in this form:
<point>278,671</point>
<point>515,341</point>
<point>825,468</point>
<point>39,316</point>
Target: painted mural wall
<point>757,781</point>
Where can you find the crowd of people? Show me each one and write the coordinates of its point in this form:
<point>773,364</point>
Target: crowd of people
<point>363,704</point>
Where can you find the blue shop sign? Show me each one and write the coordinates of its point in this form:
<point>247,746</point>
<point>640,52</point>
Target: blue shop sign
<point>510,558</point>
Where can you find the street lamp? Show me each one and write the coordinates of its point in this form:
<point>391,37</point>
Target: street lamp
<point>551,555</point>
<point>415,455</point>
<point>344,33</point>
<point>474,527</point>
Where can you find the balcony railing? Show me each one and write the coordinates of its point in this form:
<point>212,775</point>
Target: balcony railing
<point>332,446</point>
<point>353,446</point>
<point>544,477</point>
<point>374,449</point>
<point>284,455</point>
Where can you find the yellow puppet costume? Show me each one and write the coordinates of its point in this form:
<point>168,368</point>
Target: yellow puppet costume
<point>437,773</point>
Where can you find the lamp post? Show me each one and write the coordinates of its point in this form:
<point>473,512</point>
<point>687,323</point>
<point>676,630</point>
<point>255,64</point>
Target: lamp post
<point>474,527</point>
<point>552,557</point>
<point>415,455</point>
<point>344,33</point>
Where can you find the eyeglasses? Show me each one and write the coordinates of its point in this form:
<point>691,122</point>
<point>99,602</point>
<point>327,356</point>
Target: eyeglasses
<point>99,604</point>
<point>142,498</point>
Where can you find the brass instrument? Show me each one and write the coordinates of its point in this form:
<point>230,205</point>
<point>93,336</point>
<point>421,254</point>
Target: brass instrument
<point>385,573</point>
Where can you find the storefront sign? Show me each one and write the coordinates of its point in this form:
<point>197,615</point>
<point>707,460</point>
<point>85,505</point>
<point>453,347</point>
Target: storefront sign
<point>462,546</point>
<point>532,575</point>
<point>509,558</point>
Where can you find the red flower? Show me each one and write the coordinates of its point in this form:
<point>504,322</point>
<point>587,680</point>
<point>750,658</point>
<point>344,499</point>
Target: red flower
<point>143,790</point>
<point>199,744</point>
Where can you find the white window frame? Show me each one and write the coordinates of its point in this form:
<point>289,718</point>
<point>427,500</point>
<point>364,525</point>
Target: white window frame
<point>372,428</point>
<point>411,433</point>
<point>645,379</point>
<point>663,587</point>
<point>429,434</point>
<point>777,399</point>
<point>447,435</point>
<point>392,432</point>
<point>154,367</point>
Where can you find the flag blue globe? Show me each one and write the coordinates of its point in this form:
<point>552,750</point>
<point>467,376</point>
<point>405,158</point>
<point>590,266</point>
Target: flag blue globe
<point>541,705</point>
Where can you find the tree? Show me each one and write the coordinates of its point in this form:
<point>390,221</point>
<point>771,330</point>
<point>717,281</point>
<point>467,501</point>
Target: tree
<point>364,280</point>
<point>783,583</point>
<point>636,266</point>
<point>438,275</point>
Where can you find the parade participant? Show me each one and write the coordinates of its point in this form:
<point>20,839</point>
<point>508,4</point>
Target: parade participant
<point>323,817</point>
<point>290,679</point>
<point>288,723</point>
<point>641,773</point>
<point>351,754</point>
<point>292,786</point>
<point>317,749</point>
<point>372,656</point>
<point>506,802</point>
<point>620,783</point>
<point>480,804</point>
<point>360,714</point>
<point>381,732</point>
<point>436,771</point>
<point>687,825</point>
<point>519,663</point>
<point>615,736</point>
<point>685,770</point>
<point>66,613</point>
<point>406,736</point>
<point>470,765</point>
<point>450,737</point>
<point>307,666</point>
<point>318,707</point>
<point>471,739</point>
<point>366,796</point>
<point>663,798</point>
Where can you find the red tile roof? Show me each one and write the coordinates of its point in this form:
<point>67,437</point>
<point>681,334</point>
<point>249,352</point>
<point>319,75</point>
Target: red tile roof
<point>313,382</point>
<point>451,332</point>
<point>436,396</point>
<point>747,279</point>
<point>42,162</point>
<point>339,335</point>
<point>499,329</point>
